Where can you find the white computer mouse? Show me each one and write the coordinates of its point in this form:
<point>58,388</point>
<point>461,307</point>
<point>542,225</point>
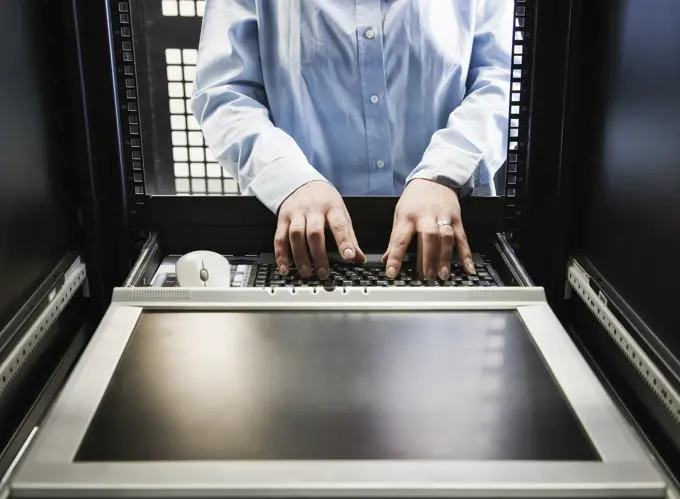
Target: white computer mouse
<point>203,269</point>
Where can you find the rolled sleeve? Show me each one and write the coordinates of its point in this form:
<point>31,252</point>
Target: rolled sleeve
<point>473,145</point>
<point>279,180</point>
<point>230,103</point>
<point>451,168</point>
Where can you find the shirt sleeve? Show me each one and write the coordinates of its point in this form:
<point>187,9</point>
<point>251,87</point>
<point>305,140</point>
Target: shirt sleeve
<point>476,136</point>
<point>230,104</point>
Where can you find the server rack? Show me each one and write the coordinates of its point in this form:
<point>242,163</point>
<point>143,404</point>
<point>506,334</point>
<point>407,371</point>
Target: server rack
<point>623,208</point>
<point>126,219</point>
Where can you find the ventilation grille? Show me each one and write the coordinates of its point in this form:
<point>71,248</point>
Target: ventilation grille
<point>196,170</point>
<point>40,329</point>
<point>644,366</point>
<point>161,294</point>
<point>183,8</point>
<point>510,295</point>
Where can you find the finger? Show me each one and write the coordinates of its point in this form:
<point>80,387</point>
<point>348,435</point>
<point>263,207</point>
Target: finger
<point>463,248</point>
<point>340,226</point>
<point>282,246</point>
<point>360,256</point>
<point>402,234</point>
<point>316,225</point>
<point>446,241</point>
<point>428,234</point>
<point>298,243</point>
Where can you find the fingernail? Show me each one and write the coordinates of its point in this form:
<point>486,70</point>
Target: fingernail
<point>305,271</point>
<point>471,268</point>
<point>391,272</point>
<point>431,273</point>
<point>444,273</point>
<point>348,253</point>
<point>322,273</point>
<point>283,269</point>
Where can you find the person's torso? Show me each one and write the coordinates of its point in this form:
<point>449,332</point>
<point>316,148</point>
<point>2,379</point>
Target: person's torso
<point>363,85</point>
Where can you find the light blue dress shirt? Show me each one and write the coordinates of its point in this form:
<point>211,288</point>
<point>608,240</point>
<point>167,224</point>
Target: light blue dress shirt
<point>366,94</point>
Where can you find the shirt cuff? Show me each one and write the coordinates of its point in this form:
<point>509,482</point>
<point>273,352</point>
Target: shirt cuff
<point>456,171</point>
<point>280,179</point>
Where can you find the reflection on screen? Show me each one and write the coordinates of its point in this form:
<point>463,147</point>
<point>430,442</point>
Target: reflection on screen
<point>409,89</point>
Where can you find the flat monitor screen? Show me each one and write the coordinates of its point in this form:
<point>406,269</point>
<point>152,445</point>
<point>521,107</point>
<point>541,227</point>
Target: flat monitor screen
<point>332,386</point>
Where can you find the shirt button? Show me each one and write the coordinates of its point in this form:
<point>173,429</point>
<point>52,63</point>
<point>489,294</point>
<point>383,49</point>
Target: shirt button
<point>375,99</point>
<point>380,164</point>
<point>370,34</point>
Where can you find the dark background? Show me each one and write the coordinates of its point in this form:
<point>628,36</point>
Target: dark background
<point>34,234</point>
<point>627,185</point>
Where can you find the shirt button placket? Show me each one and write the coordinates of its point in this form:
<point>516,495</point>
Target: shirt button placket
<point>374,89</point>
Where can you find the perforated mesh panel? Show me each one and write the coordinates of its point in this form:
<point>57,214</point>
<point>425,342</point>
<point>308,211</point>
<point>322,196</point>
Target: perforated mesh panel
<point>195,169</point>
<point>184,8</point>
<point>161,294</point>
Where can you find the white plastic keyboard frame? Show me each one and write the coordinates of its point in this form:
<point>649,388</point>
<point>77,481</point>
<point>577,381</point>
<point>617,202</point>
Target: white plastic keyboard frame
<point>48,469</point>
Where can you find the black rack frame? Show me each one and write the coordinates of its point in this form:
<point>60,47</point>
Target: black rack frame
<point>593,36</point>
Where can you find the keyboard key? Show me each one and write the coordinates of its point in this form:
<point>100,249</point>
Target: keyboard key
<point>359,276</point>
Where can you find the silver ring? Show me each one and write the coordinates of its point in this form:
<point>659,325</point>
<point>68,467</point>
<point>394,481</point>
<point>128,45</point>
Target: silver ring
<point>442,223</point>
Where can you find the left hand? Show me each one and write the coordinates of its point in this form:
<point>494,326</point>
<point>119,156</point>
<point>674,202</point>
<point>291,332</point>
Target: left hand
<point>423,204</point>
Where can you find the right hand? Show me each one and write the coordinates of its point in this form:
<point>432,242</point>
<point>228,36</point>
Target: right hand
<point>303,217</point>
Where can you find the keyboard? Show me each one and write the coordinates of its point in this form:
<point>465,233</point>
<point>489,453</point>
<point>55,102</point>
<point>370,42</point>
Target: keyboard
<point>348,275</point>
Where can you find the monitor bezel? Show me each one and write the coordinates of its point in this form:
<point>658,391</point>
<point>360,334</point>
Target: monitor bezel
<point>49,467</point>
